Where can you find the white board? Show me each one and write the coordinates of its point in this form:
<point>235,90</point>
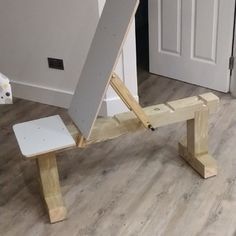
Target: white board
<point>42,136</point>
<point>101,60</point>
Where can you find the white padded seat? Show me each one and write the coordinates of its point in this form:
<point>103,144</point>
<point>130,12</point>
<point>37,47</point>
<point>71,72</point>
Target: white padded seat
<point>42,136</point>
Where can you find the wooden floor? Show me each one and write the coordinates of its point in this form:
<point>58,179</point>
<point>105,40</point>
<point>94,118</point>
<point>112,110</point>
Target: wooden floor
<point>134,185</point>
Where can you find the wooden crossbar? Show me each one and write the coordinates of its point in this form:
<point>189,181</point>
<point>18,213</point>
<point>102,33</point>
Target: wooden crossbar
<point>159,115</point>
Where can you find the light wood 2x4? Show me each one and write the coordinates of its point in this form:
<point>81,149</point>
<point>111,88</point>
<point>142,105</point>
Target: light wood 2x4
<point>194,110</point>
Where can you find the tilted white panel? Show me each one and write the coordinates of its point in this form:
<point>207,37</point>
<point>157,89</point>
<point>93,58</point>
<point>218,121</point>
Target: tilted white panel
<point>112,29</point>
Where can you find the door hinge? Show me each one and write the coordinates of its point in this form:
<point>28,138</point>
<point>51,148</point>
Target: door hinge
<point>231,63</point>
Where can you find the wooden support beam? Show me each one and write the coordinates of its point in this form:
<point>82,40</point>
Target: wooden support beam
<point>76,134</point>
<point>125,95</point>
<point>195,150</point>
<point>197,133</point>
<point>50,184</point>
<point>204,164</point>
<point>159,115</point>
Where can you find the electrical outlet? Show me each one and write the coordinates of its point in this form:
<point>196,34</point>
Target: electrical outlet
<point>55,63</point>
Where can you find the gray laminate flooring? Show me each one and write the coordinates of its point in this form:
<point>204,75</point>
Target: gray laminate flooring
<point>134,185</point>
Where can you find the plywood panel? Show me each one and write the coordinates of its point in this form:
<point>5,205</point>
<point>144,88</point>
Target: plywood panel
<point>101,60</point>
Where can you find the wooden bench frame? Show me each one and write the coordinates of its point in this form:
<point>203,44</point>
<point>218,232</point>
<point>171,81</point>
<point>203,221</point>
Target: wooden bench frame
<point>194,148</point>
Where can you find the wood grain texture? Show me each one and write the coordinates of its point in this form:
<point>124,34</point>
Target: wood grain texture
<point>51,190</point>
<point>125,95</point>
<point>186,109</point>
<point>203,163</point>
<point>160,115</point>
<point>197,133</point>
<point>102,58</point>
<point>132,185</point>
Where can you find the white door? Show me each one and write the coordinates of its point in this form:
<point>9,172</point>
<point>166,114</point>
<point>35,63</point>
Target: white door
<point>191,40</point>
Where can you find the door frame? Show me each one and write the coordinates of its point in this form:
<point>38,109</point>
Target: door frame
<point>233,72</point>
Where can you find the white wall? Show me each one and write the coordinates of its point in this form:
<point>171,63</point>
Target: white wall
<point>32,30</point>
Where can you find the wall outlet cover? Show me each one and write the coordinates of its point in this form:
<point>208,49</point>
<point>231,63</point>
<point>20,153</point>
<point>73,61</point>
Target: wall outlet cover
<point>55,63</point>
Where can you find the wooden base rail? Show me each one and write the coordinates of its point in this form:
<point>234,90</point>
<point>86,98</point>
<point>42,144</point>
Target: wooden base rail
<point>159,115</point>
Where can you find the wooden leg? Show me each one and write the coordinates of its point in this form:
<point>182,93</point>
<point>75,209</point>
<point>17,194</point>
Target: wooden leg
<point>51,190</point>
<point>195,149</point>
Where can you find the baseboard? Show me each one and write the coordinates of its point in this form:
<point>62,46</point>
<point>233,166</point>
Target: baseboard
<point>62,98</point>
<point>36,93</point>
<point>112,106</point>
